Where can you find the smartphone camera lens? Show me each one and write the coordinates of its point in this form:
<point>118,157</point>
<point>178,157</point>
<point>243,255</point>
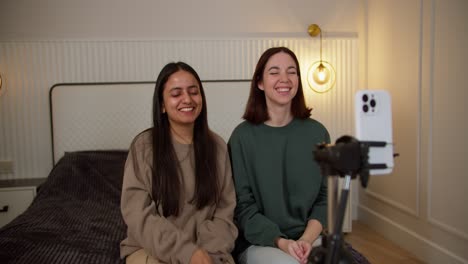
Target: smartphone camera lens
<point>365,108</point>
<point>372,103</point>
<point>365,98</point>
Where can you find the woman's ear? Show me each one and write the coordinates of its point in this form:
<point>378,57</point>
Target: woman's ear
<point>163,110</point>
<point>260,86</point>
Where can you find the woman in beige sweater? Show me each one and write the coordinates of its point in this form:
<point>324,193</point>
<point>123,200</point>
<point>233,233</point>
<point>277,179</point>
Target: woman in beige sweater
<point>178,197</point>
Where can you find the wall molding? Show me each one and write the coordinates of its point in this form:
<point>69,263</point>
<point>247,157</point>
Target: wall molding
<point>430,174</point>
<point>395,204</point>
<point>447,228</point>
<point>419,244</point>
<point>256,36</point>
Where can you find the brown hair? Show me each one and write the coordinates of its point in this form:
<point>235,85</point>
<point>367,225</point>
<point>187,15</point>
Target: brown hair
<point>256,110</point>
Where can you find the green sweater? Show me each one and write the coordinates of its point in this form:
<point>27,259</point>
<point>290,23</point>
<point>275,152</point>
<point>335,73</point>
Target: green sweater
<point>278,184</point>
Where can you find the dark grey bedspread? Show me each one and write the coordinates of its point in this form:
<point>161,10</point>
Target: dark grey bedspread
<point>75,217</point>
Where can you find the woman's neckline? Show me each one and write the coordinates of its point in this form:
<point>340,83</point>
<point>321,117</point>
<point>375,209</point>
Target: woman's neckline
<point>291,122</point>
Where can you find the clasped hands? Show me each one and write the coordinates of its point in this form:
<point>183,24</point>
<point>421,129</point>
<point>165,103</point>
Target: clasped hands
<point>298,249</point>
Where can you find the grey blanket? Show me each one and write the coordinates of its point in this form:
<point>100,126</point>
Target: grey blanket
<point>75,217</point>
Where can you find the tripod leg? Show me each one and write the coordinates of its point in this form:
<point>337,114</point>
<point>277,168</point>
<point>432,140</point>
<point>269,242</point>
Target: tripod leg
<point>333,250</point>
<point>336,253</point>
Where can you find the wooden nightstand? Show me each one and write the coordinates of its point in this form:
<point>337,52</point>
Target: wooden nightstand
<point>16,196</point>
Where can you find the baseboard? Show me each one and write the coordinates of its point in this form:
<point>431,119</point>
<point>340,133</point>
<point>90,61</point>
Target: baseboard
<point>419,246</point>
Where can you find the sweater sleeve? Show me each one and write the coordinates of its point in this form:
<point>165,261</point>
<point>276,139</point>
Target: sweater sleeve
<point>217,235</point>
<point>257,229</point>
<point>319,210</point>
<point>158,236</point>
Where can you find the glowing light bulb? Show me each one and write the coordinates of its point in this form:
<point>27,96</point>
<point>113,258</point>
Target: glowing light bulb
<point>321,74</point>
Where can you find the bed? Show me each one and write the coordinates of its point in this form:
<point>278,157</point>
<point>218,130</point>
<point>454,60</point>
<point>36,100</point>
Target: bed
<point>75,216</point>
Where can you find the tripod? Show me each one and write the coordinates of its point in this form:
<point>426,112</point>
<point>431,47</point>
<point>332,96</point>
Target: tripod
<point>332,250</point>
<point>347,158</point>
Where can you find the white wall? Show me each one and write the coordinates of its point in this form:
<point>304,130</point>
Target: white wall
<point>154,19</point>
<point>417,51</point>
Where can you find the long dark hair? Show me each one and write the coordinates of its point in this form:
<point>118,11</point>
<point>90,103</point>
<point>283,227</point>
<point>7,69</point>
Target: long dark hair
<point>166,187</point>
<point>256,110</point>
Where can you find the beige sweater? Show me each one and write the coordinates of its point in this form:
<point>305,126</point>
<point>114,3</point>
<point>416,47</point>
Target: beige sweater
<point>174,239</point>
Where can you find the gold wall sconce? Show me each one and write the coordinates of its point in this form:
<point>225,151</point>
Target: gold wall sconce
<point>321,75</point>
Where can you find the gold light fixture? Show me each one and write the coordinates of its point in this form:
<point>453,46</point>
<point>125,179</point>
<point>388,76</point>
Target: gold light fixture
<point>321,75</point>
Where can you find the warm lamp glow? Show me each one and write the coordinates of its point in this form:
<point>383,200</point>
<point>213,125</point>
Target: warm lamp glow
<point>321,75</point>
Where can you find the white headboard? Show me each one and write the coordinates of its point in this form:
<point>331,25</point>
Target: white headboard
<point>107,116</point>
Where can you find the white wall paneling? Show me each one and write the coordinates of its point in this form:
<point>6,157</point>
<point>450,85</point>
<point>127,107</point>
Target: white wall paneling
<point>447,206</point>
<point>32,67</point>
<point>422,204</point>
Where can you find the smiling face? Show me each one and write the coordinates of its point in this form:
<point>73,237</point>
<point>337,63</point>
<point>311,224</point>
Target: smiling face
<point>182,100</point>
<point>280,80</point>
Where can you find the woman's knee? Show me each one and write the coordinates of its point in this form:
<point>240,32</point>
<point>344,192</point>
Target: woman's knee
<point>265,255</point>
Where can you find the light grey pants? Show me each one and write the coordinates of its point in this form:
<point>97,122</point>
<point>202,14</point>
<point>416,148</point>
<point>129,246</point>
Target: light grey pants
<point>269,255</point>
<point>265,255</point>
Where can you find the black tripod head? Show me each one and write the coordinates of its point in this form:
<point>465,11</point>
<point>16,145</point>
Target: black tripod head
<point>347,157</point>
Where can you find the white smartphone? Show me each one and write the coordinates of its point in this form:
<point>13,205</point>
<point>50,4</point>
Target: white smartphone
<point>373,122</point>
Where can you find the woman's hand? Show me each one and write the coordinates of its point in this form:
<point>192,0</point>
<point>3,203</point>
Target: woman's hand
<point>299,249</point>
<point>305,248</point>
<point>200,256</point>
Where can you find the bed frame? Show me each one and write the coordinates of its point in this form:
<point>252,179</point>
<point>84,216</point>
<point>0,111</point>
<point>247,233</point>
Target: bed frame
<point>107,116</point>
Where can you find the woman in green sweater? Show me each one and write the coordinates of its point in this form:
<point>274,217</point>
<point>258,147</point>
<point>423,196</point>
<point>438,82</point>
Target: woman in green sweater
<point>281,194</point>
